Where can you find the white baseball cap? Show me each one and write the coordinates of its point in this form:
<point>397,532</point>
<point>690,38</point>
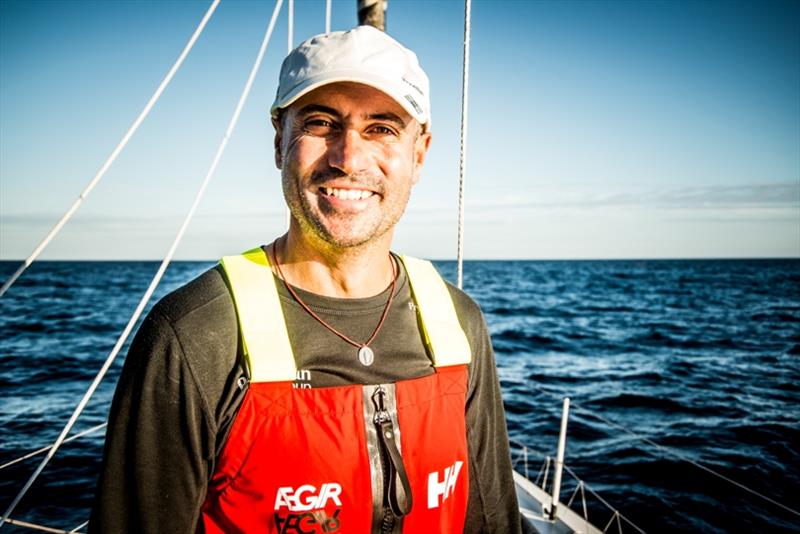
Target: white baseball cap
<point>362,55</point>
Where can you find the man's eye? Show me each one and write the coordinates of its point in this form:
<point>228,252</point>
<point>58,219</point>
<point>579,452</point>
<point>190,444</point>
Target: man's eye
<point>379,129</point>
<point>318,126</point>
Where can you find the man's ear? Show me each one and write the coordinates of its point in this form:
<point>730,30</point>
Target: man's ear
<point>276,123</point>
<point>421,146</point>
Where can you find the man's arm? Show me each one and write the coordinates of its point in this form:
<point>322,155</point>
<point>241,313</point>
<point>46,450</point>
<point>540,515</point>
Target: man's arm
<point>493,501</point>
<point>492,496</point>
<point>155,465</point>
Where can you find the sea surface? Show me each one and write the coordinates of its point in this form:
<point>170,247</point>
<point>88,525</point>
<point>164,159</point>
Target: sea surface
<point>701,358</point>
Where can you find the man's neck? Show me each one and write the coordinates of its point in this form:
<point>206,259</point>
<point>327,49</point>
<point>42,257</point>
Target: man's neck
<point>353,272</point>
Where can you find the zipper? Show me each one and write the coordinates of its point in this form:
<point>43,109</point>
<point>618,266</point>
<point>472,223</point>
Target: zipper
<point>387,518</point>
<point>391,491</point>
<point>395,490</point>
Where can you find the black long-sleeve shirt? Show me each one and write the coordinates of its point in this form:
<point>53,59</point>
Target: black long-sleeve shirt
<point>180,389</point>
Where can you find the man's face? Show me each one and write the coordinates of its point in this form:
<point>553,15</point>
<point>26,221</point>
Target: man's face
<point>349,156</point>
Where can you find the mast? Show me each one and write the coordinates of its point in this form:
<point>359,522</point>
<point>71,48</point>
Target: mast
<point>372,13</point>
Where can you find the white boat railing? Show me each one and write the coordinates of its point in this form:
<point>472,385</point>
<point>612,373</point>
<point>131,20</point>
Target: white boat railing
<point>521,462</point>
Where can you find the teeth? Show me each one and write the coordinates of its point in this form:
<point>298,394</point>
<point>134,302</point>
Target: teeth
<point>348,194</point>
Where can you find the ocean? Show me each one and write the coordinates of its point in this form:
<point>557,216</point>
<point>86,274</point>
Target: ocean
<point>699,356</point>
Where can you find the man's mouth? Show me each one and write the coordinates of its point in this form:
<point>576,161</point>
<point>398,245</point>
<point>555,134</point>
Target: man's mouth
<point>346,194</point>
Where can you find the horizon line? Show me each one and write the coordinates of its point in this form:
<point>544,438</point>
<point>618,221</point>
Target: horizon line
<point>665,258</point>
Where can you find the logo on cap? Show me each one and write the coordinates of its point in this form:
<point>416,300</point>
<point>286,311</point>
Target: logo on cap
<point>415,87</point>
<point>414,103</point>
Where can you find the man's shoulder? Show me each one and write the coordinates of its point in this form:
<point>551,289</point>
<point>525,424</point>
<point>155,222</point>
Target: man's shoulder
<point>200,316</point>
<point>206,298</point>
<point>198,320</point>
<point>468,311</point>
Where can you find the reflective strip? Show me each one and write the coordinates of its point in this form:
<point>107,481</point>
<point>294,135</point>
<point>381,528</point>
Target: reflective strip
<point>264,336</point>
<point>266,341</point>
<point>443,334</point>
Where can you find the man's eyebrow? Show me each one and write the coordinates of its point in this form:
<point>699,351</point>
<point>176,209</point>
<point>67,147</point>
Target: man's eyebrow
<point>317,108</point>
<point>386,116</point>
<point>389,117</point>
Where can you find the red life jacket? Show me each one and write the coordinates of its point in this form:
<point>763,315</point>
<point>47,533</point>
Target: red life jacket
<point>330,459</point>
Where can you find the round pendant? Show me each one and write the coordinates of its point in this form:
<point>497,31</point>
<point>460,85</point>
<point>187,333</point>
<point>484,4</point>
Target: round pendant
<point>366,356</point>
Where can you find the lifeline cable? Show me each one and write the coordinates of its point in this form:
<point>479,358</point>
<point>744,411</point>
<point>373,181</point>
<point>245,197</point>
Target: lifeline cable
<point>574,475</point>
<point>601,499</point>
<point>678,455</point>
<point>669,451</point>
<point>463,162</point>
<point>157,278</point>
<point>93,182</point>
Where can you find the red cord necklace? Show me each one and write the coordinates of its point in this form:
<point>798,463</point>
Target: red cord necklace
<point>365,354</point>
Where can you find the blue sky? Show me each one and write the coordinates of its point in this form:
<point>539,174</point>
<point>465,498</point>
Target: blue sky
<point>596,129</point>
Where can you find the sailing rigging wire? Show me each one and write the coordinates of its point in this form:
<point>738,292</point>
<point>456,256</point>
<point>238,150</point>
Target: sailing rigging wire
<point>668,450</point>
<point>290,28</point>
<point>157,278</point>
<point>34,526</point>
<point>289,48</point>
<point>327,16</point>
<point>116,152</point>
<point>45,449</point>
<point>463,159</point>
<point>76,529</point>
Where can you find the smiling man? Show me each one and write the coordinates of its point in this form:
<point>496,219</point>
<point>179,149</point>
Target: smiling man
<point>319,383</point>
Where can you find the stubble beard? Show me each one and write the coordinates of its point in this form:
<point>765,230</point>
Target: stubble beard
<point>310,217</point>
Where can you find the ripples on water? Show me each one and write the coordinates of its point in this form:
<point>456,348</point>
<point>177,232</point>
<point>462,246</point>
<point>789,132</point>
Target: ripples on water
<point>700,356</point>
<point>58,323</point>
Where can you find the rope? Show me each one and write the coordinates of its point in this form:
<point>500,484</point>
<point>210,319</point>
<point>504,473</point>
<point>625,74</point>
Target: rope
<point>602,500</point>
<point>463,160</point>
<point>161,270</point>
<point>671,452</point>
<point>33,526</point>
<point>93,182</point>
<point>43,449</point>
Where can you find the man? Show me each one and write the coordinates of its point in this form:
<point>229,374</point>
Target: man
<point>319,383</point>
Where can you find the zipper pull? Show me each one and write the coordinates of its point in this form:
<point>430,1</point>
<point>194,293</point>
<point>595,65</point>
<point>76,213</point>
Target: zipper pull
<point>241,383</point>
<point>381,414</point>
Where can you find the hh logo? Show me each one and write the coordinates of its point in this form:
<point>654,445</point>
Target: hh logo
<point>307,497</point>
<point>438,492</point>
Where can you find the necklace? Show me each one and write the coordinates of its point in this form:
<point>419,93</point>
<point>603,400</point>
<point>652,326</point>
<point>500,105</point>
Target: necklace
<point>365,354</point>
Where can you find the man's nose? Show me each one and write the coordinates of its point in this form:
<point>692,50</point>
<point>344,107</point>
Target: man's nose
<point>348,152</point>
